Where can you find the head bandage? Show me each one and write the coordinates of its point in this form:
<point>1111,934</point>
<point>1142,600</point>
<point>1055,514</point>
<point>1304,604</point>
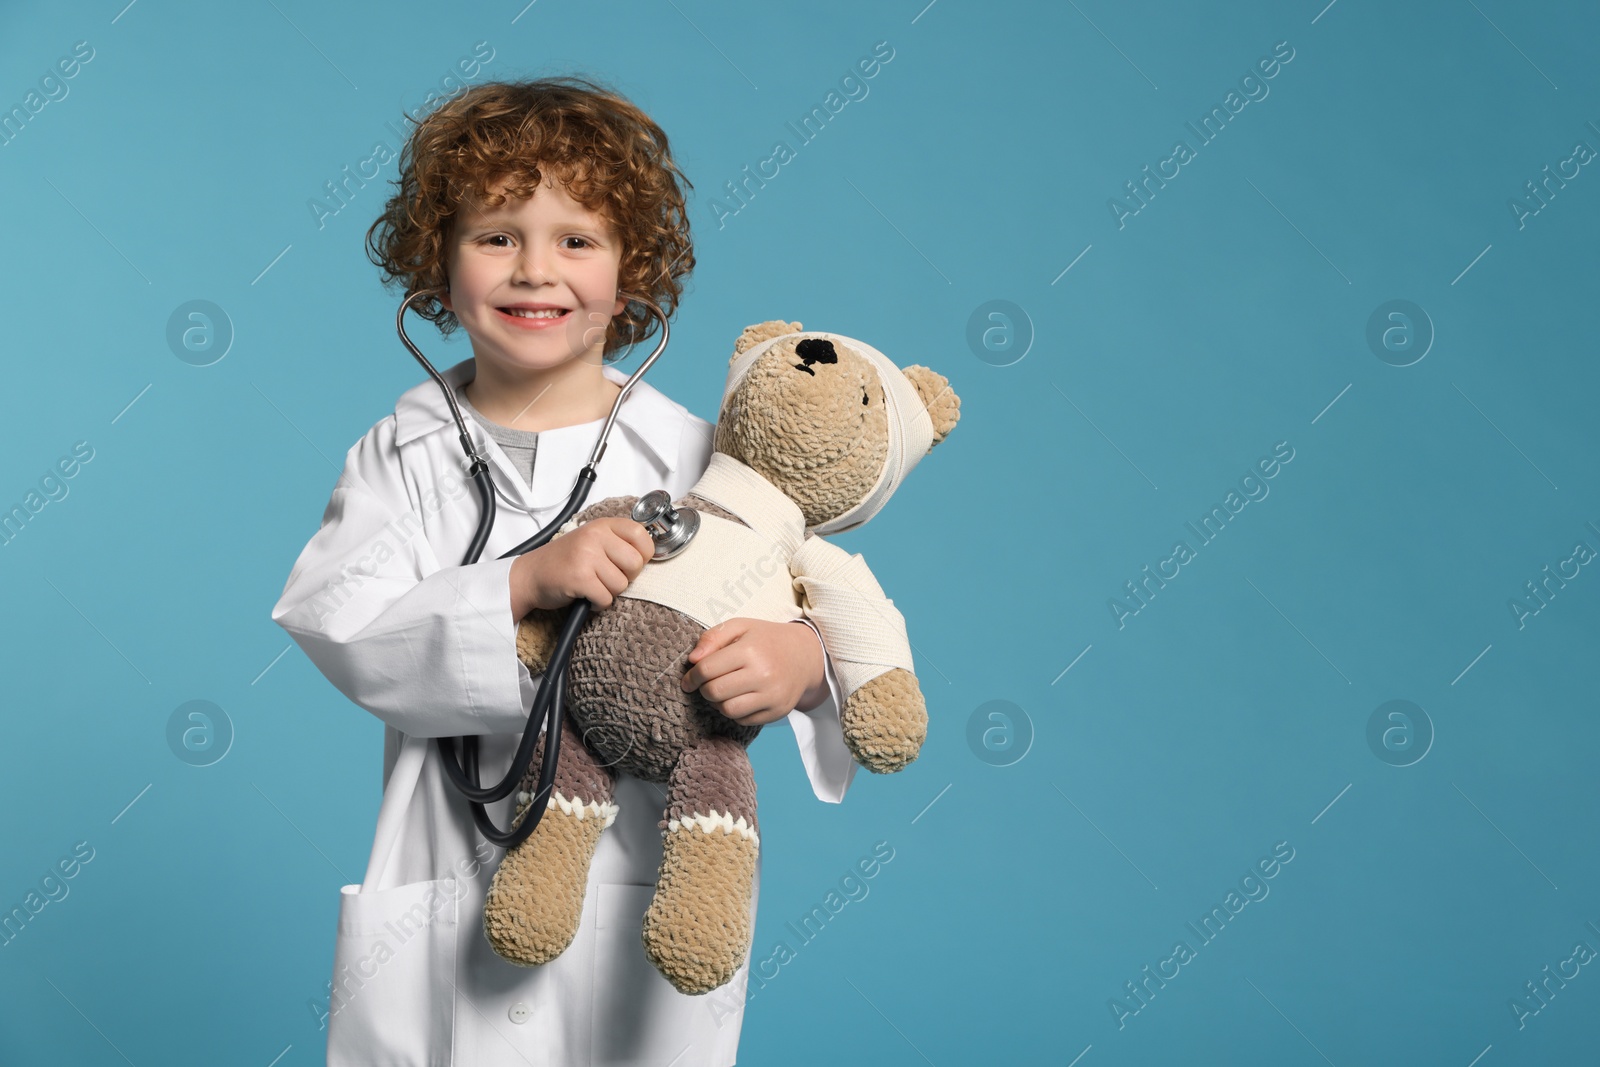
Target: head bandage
<point>910,426</point>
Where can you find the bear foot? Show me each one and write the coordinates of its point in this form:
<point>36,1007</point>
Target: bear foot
<point>535,902</point>
<point>697,930</point>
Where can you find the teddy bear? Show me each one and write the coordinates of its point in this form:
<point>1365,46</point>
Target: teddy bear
<point>814,434</point>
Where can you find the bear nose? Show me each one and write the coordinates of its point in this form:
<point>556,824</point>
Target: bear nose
<point>814,350</point>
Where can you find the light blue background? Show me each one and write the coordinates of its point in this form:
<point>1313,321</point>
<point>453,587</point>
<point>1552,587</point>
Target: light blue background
<point>1229,314</point>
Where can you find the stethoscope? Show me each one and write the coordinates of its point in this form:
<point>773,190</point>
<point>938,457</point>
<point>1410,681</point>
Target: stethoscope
<point>671,529</point>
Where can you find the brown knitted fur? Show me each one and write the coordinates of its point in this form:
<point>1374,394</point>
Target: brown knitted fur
<point>712,776</point>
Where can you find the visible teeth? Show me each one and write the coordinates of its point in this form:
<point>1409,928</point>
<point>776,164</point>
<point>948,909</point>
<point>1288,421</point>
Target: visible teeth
<point>547,313</point>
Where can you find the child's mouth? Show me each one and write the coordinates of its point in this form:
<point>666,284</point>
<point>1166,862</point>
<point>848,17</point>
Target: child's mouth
<point>528,319</point>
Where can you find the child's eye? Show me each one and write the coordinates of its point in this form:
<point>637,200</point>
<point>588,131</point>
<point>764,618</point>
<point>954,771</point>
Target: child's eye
<point>580,240</point>
<point>496,236</point>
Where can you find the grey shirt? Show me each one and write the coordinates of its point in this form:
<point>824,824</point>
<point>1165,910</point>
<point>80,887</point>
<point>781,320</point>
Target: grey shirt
<point>519,445</point>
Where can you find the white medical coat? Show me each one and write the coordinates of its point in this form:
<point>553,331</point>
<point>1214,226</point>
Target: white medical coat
<point>380,603</point>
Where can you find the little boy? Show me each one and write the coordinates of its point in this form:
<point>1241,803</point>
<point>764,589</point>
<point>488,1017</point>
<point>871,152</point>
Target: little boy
<point>531,206</point>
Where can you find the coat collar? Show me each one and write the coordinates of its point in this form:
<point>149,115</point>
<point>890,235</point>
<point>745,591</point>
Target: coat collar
<point>655,420</point>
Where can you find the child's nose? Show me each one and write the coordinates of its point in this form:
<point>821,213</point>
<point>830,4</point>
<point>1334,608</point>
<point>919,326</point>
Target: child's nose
<point>534,266</point>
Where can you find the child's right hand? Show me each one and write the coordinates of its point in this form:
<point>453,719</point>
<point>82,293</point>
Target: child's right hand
<point>594,562</point>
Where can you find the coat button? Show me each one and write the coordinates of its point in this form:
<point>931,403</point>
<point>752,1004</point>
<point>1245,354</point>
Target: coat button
<point>519,1012</point>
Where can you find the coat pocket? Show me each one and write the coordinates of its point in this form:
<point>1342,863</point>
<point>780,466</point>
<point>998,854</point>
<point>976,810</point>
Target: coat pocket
<point>639,1018</point>
<point>394,974</point>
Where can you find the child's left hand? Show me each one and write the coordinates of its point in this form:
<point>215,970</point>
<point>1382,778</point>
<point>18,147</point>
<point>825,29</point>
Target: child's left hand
<point>756,672</point>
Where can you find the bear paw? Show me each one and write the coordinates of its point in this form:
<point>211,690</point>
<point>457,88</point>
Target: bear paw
<point>886,721</point>
<point>536,638</point>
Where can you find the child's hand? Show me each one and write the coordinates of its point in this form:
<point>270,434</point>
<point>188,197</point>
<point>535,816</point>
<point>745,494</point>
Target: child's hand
<point>756,672</point>
<point>594,562</point>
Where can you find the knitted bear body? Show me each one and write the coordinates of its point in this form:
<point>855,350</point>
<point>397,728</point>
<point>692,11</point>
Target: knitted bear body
<point>622,687</point>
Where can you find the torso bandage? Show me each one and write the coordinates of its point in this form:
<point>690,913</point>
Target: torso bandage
<point>770,570</point>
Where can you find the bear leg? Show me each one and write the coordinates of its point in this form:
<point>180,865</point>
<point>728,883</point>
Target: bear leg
<point>698,928</point>
<point>534,904</point>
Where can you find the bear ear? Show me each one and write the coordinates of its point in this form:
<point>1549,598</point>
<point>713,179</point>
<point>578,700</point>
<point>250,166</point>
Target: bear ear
<point>761,331</point>
<point>944,407</point>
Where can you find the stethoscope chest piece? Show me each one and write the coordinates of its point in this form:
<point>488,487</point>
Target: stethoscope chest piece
<point>670,528</point>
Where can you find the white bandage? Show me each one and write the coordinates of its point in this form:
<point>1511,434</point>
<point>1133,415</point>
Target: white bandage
<point>910,426</point>
<point>863,630</point>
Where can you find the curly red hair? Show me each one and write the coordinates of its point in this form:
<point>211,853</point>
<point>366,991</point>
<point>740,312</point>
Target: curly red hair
<point>611,156</point>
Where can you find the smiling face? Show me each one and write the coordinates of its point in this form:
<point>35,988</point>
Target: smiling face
<point>534,281</point>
